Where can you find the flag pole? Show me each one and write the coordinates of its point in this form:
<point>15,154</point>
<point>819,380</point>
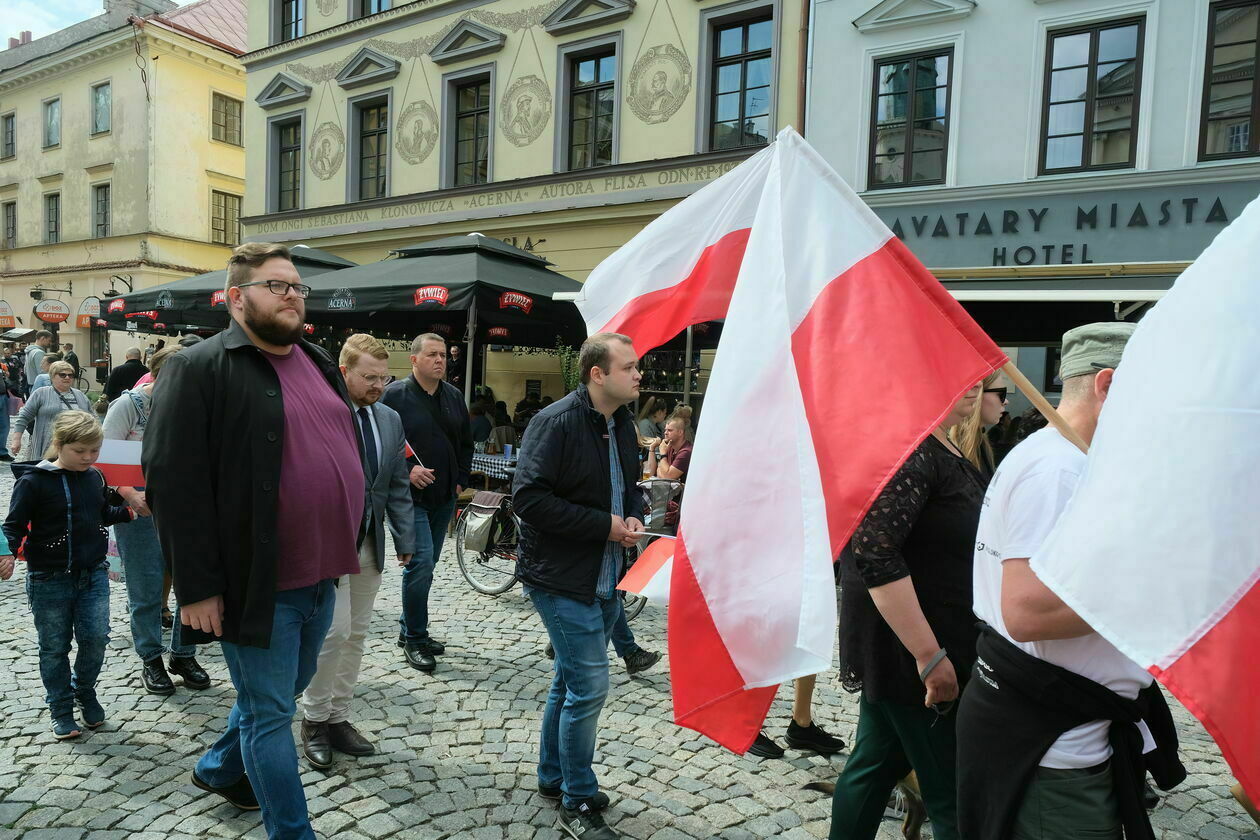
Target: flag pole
<point>1043,405</point>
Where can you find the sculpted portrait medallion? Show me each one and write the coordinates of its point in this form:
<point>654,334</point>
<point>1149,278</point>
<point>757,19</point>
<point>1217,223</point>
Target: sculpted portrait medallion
<point>326,150</point>
<point>659,82</point>
<point>326,7</point>
<point>525,110</point>
<point>417,131</point>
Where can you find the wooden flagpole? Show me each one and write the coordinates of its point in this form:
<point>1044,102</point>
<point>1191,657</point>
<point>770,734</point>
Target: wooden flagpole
<point>1043,405</point>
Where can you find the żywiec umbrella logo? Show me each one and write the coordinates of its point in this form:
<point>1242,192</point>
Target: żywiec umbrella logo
<point>516,300</point>
<point>218,297</point>
<point>151,314</point>
<point>498,332</point>
<point>165,300</point>
<point>117,305</point>
<point>433,294</point>
<point>343,298</point>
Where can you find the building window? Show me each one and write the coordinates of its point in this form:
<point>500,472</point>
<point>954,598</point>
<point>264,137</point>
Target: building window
<point>292,22</point>
<point>472,132</point>
<point>10,224</point>
<point>910,120</point>
<point>52,218</point>
<point>1230,106</point>
<point>100,210</point>
<point>373,160</point>
<point>225,123</point>
<point>102,102</point>
<point>371,7</point>
<point>8,135</point>
<point>225,218</point>
<point>740,108</point>
<point>52,123</point>
<point>592,110</point>
<point>1093,78</point>
<point>289,165</point>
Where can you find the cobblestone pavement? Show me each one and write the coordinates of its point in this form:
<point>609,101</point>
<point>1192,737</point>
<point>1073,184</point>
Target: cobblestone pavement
<point>456,749</point>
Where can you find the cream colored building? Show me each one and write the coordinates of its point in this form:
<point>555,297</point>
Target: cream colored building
<point>121,156</point>
<point>562,127</point>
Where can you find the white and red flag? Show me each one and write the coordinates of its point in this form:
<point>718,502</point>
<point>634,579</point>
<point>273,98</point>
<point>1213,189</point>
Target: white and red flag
<point>839,354</point>
<point>119,462</point>
<point>1159,549</point>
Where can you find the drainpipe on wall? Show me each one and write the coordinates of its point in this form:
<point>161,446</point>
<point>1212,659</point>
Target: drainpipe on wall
<point>802,50</point>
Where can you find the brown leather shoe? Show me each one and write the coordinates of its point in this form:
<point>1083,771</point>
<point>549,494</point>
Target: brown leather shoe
<point>344,738</point>
<point>315,744</point>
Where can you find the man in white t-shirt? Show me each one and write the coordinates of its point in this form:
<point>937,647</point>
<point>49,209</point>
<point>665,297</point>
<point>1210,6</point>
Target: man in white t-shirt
<point>1070,794</point>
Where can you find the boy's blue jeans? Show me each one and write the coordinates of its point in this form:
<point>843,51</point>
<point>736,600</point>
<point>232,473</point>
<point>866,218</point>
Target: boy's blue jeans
<point>70,605</point>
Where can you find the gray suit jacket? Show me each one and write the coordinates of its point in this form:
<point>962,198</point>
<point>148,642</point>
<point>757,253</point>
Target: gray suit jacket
<point>391,492</point>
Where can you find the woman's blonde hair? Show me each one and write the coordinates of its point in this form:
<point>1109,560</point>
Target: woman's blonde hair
<point>969,435</point>
<point>651,406</point>
<point>73,427</point>
<point>60,367</point>
<point>160,357</point>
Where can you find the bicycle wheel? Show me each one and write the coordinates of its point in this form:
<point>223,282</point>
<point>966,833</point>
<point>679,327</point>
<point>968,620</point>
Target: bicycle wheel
<point>633,605</point>
<point>490,572</point>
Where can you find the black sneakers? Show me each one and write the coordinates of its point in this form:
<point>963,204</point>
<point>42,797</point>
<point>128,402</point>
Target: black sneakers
<point>240,793</point>
<point>812,738</point>
<point>639,660</point>
<point>763,747</point>
<point>598,802</point>
<point>584,823</point>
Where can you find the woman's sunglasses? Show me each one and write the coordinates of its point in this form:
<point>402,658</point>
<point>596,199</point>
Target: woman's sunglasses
<point>1001,392</point>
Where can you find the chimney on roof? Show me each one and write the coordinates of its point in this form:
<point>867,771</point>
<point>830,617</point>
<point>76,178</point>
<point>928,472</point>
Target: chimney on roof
<point>14,42</point>
<point>26,36</point>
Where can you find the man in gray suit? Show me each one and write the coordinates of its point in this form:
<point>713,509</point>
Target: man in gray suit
<point>326,702</point>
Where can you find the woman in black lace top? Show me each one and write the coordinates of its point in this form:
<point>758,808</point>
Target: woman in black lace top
<point>905,608</point>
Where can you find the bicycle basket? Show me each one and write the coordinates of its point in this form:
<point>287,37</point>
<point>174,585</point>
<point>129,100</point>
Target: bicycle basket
<point>479,520</point>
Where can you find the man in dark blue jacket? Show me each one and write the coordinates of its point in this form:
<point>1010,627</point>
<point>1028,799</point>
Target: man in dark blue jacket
<point>435,422</point>
<point>576,494</point>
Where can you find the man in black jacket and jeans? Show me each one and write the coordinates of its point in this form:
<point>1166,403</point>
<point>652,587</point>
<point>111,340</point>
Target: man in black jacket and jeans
<point>255,477</point>
<point>576,494</point>
<point>436,424</point>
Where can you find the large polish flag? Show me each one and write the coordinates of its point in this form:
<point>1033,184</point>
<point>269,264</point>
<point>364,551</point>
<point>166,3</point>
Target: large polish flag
<point>1159,548</point>
<point>119,462</point>
<point>839,354</point>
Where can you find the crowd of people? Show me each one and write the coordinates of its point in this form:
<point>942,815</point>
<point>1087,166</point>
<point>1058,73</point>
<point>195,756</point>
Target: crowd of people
<point>1025,725</point>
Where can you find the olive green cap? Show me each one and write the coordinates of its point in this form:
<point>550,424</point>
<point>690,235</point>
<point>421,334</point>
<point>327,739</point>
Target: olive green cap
<point>1093,347</point>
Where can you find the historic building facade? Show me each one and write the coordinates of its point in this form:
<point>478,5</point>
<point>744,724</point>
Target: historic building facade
<point>122,159</point>
<point>562,127</point>
<point>1053,161</point>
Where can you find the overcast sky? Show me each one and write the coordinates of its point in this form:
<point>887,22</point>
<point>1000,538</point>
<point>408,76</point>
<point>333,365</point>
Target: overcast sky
<point>44,17</point>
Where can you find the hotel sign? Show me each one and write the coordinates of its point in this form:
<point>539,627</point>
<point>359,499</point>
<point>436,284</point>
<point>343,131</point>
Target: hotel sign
<point>1147,224</point>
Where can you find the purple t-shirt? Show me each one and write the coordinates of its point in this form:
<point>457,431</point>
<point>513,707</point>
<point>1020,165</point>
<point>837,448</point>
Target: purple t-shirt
<point>321,478</point>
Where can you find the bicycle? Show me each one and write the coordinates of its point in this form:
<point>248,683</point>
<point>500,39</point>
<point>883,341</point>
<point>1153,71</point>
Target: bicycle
<point>492,570</point>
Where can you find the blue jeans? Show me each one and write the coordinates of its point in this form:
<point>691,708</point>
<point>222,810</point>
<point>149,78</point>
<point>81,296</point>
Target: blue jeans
<point>418,574</point>
<point>145,570</point>
<point>622,639</point>
<point>67,605</point>
<point>259,736</point>
<point>4,424</point>
<point>579,633</point>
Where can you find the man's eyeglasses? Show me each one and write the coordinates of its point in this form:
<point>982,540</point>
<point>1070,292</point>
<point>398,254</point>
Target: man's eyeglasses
<point>1001,393</point>
<point>375,380</point>
<point>279,287</point>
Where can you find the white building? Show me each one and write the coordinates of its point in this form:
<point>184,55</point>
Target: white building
<point>1055,162</point>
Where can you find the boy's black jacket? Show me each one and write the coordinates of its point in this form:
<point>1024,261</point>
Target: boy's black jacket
<point>62,515</point>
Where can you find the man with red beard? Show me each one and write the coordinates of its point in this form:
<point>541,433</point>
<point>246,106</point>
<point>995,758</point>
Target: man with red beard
<point>255,476</point>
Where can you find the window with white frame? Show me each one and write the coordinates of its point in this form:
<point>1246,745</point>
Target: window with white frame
<point>52,123</point>
<point>8,136</point>
<point>225,119</point>
<point>102,105</point>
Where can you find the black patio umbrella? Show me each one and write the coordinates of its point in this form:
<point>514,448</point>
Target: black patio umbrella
<point>197,303</point>
<point>470,286</point>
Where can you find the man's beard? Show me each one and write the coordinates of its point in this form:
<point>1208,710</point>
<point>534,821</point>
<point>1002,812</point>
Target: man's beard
<point>270,329</point>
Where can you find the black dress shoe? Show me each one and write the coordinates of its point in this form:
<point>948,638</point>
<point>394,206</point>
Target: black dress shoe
<point>155,679</point>
<point>315,744</point>
<point>813,738</point>
<point>240,793</point>
<point>346,739</point>
<point>419,658</point>
<point>195,677</point>
<point>430,645</point>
